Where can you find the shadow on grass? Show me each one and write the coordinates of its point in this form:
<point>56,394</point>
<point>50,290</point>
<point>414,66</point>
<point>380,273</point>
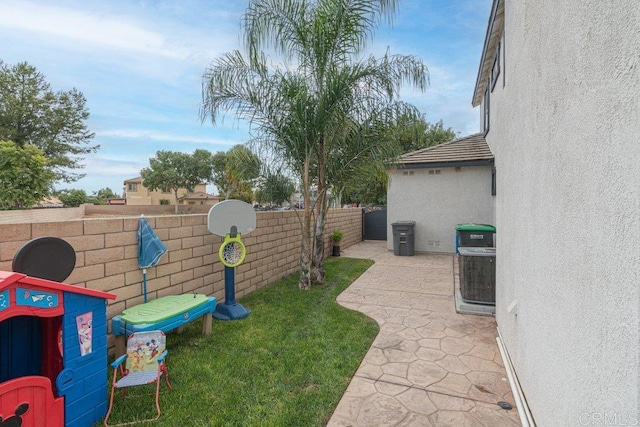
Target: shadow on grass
<point>287,364</point>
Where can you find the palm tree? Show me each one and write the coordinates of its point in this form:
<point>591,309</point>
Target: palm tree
<point>324,110</point>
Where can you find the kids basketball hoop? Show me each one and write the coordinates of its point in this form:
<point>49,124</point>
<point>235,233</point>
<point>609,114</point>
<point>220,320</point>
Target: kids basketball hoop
<point>231,219</point>
<point>232,251</point>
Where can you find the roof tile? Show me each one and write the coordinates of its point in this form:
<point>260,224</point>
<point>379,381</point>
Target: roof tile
<point>470,148</point>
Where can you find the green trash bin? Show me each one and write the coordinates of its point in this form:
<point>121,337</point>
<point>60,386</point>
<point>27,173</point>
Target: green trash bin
<point>474,235</point>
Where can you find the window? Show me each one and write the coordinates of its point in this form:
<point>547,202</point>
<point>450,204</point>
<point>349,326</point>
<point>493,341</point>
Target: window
<point>132,187</point>
<point>495,69</point>
<point>504,58</point>
<point>493,181</point>
<point>486,108</point>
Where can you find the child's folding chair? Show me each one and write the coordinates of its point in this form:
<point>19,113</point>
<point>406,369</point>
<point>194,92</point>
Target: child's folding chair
<point>144,364</point>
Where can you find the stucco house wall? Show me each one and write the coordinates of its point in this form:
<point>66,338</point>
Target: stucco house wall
<point>437,202</point>
<point>563,126</point>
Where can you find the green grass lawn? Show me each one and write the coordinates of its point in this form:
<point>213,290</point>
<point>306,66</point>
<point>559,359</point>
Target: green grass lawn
<point>287,364</point>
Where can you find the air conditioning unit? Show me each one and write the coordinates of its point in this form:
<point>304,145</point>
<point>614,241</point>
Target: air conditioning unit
<point>478,275</point>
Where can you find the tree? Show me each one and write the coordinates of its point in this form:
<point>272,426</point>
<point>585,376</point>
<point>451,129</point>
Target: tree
<point>106,193</point>
<point>55,122</point>
<point>170,170</point>
<point>24,177</point>
<point>275,187</point>
<point>73,198</point>
<point>235,171</point>
<point>368,185</point>
<point>243,192</point>
<point>414,133</point>
<point>324,111</point>
<point>101,196</point>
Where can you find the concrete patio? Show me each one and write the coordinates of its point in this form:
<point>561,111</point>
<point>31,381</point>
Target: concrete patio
<point>429,365</point>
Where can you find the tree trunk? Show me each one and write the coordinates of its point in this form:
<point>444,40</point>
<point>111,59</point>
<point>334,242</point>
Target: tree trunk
<point>317,262</point>
<point>306,254</point>
<point>304,283</point>
<point>175,200</point>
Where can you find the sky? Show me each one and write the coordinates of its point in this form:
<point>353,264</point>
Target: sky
<point>139,64</point>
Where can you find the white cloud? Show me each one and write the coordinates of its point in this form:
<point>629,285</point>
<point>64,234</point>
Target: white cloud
<point>87,28</point>
<point>163,136</point>
<point>131,30</point>
<point>114,166</point>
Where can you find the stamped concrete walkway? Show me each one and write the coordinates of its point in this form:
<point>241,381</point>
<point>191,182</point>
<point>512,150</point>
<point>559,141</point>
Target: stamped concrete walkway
<point>428,366</point>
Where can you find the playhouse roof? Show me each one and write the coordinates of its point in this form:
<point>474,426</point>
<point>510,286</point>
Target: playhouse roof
<point>8,278</point>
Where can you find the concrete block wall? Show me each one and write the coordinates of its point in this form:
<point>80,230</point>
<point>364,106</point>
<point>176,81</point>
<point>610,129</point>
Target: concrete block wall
<point>107,253</point>
<point>349,221</point>
<point>125,210</point>
<point>91,210</point>
<point>40,215</point>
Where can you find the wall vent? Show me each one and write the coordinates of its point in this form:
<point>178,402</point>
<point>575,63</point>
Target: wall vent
<point>405,173</point>
<point>434,172</point>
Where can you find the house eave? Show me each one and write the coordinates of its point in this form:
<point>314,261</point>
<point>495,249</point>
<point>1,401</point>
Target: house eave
<point>437,165</point>
<point>494,33</point>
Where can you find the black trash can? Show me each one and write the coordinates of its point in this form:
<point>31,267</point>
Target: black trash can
<point>474,235</point>
<point>478,275</point>
<point>403,238</point>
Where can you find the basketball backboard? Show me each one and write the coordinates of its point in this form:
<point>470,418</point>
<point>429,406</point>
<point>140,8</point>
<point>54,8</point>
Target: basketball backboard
<point>224,215</point>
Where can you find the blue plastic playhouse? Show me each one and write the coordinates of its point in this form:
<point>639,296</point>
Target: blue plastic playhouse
<point>53,352</point>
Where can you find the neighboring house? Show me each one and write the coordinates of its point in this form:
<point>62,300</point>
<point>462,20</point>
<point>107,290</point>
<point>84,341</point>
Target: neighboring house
<point>137,194</point>
<point>297,198</point>
<point>50,202</point>
<point>117,201</point>
<point>198,198</point>
<point>558,87</point>
<point>439,187</point>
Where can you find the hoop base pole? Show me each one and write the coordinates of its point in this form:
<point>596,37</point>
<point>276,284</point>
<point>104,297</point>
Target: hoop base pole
<point>230,309</point>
